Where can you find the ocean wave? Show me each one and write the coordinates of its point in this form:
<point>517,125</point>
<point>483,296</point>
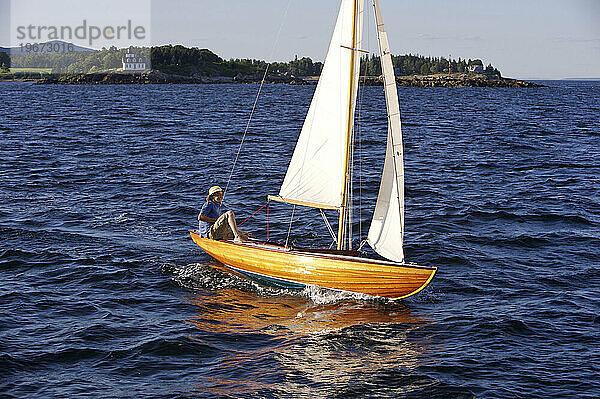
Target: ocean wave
<point>527,217</point>
<point>15,258</point>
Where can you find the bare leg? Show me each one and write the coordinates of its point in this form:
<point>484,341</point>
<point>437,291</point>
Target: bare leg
<point>238,236</point>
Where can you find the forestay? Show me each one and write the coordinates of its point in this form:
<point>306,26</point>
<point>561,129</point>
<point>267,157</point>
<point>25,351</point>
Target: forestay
<point>316,171</point>
<point>386,233</point>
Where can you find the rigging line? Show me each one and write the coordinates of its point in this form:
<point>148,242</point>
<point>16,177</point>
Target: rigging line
<point>362,244</point>
<point>257,96</point>
<point>290,228</point>
<point>357,125</point>
<point>328,225</point>
<point>245,220</point>
<point>352,86</point>
<point>348,219</point>
<point>354,49</point>
<point>359,138</point>
<point>360,171</point>
<point>369,45</point>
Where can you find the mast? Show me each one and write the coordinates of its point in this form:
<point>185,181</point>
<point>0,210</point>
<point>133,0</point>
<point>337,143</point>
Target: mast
<point>343,210</point>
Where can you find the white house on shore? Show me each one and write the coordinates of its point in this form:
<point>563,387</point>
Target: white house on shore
<point>131,62</point>
<point>475,68</point>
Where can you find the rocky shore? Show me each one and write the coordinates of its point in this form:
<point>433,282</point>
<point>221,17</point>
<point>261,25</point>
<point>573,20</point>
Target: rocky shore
<point>459,80</point>
<point>157,77</point>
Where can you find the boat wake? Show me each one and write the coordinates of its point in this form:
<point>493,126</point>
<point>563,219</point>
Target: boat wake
<point>216,277</point>
<point>198,276</point>
<point>323,296</point>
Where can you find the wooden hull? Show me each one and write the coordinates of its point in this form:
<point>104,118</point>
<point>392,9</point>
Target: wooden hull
<point>344,273</point>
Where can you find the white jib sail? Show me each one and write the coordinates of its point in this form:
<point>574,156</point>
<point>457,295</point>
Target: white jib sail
<point>316,170</point>
<point>386,233</point>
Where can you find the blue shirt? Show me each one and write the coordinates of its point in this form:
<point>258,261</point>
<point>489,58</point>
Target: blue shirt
<point>212,210</point>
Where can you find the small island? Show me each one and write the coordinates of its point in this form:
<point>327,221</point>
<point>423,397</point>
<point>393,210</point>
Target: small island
<point>179,64</point>
<point>157,77</point>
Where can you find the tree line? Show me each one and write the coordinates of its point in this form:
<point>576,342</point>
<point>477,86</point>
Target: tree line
<point>189,61</point>
<point>194,61</point>
<point>410,64</point>
<point>4,61</point>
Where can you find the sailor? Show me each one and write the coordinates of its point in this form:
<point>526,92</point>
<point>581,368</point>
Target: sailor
<point>215,222</point>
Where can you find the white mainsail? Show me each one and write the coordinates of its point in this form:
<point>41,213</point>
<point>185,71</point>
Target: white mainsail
<point>386,233</point>
<point>315,175</point>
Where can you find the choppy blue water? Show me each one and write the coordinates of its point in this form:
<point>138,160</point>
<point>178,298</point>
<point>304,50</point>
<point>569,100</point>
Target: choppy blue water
<point>103,293</point>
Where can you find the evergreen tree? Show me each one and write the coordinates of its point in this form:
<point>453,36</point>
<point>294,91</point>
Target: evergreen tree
<point>4,61</point>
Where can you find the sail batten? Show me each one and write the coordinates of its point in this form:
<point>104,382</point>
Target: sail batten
<point>386,233</point>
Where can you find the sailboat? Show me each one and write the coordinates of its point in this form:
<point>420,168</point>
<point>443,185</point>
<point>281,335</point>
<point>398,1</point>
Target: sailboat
<point>318,176</point>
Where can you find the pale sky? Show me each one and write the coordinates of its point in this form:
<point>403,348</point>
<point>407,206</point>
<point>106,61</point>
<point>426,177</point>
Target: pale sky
<point>528,39</point>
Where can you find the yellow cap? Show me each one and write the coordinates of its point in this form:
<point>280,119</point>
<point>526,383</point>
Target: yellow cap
<point>214,189</point>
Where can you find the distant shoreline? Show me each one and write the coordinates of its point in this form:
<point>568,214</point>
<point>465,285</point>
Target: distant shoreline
<point>178,64</point>
<point>158,77</point>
